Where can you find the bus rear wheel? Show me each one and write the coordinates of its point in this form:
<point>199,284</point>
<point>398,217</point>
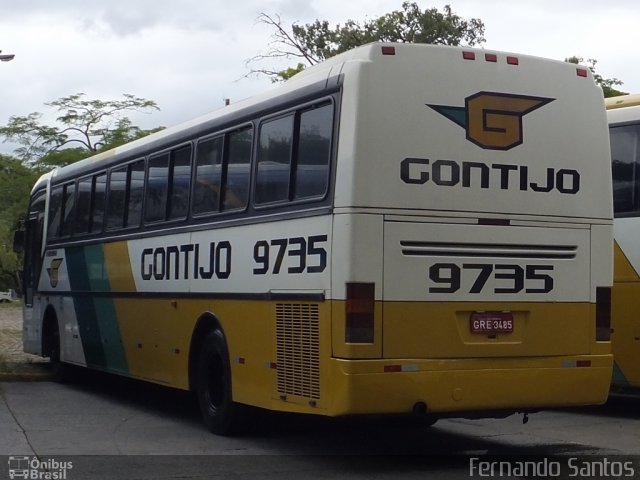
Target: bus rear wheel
<point>220,413</point>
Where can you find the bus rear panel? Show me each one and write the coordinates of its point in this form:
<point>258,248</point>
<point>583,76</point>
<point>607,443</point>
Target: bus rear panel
<point>473,210</point>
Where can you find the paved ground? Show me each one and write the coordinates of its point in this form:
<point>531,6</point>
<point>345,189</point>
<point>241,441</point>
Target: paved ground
<point>14,363</point>
<point>112,427</point>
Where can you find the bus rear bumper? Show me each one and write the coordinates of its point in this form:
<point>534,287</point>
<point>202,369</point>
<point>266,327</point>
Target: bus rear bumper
<point>471,386</point>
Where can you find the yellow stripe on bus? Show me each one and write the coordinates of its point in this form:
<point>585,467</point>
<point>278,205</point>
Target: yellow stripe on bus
<point>626,330</point>
<point>118,266</point>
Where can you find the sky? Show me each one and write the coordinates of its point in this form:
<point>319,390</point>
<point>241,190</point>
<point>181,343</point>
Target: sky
<point>190,55</point>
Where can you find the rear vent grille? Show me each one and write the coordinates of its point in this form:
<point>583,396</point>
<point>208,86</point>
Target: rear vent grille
<point>298,360</point>
<point>480,250</point>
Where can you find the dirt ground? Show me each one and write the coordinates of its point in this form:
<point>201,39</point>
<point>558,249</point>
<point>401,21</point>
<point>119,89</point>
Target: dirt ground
<point>11,338</point>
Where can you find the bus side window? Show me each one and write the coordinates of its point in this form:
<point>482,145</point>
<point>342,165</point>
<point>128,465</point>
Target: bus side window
<point>91,203</point>
<point>274,160</point>
<point>117,196</point>
<point>238,163</point>
<point>206,189</point>
<point>135,185</point>
<point>83,208</point>
<point>625,166</point>
<point>99,200</point>
<point>68,210</point>
<point>157,188</point>
<point>180,179</point>
<point>314,152</point>
<point>168,185</point>
<point>55,212</point>
<point>293,156</point>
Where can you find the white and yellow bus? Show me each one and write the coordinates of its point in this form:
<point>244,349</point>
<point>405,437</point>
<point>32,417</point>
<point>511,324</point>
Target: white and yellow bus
<point>402,228</point>
<point>624,122</point>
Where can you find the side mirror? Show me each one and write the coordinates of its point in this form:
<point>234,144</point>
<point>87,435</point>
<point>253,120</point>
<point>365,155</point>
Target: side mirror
<point>18,241</point>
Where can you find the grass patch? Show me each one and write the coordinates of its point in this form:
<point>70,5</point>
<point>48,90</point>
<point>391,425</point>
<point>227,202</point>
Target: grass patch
<point>10,305</point>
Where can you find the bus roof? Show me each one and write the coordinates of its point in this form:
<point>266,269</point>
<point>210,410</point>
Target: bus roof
<point>622,101</point>
<point>308,82</point>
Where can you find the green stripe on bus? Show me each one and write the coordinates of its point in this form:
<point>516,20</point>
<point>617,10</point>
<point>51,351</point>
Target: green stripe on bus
<point>99,330</point>
<point>105,311</point>
<point>618,379</point>
<point>85,310</point>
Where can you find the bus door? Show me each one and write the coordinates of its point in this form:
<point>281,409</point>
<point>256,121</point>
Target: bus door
<point>31,272</point>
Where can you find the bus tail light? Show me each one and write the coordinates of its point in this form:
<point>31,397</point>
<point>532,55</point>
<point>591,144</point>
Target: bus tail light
<point>360,312</point>
<point>603,314</point>
<point>386,50</point>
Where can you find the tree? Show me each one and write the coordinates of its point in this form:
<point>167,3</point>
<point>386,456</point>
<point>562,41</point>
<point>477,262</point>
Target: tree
<point>88,124</point>
<point>605,83</point>
<point>123,132</point>
<point>83,128</point>
<point>16,180</point>
<point>315,42</point>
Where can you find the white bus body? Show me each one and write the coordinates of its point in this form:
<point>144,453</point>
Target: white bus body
<point>453,263</point>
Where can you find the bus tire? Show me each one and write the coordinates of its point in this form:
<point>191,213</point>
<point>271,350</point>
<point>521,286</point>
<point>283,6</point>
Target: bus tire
<point>427,420</point>
<point>58,369</point>
<point>220,413</point>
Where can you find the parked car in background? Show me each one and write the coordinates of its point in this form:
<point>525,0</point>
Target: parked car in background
<point>8,296</point>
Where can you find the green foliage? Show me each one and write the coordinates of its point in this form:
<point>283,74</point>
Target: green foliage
<point>412,25</point>
<point>16,181</point>
<point>82,128</point>
<point>287,73</point>
<point>59,158</point>
<point>86,124</point>
<point>9,263</point>
<point>315,42</point>
<point>123,132</point>
<point>605,83</point>
<point>35,138</point>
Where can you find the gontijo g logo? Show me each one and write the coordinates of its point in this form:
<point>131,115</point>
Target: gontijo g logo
<point>493,120</point>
